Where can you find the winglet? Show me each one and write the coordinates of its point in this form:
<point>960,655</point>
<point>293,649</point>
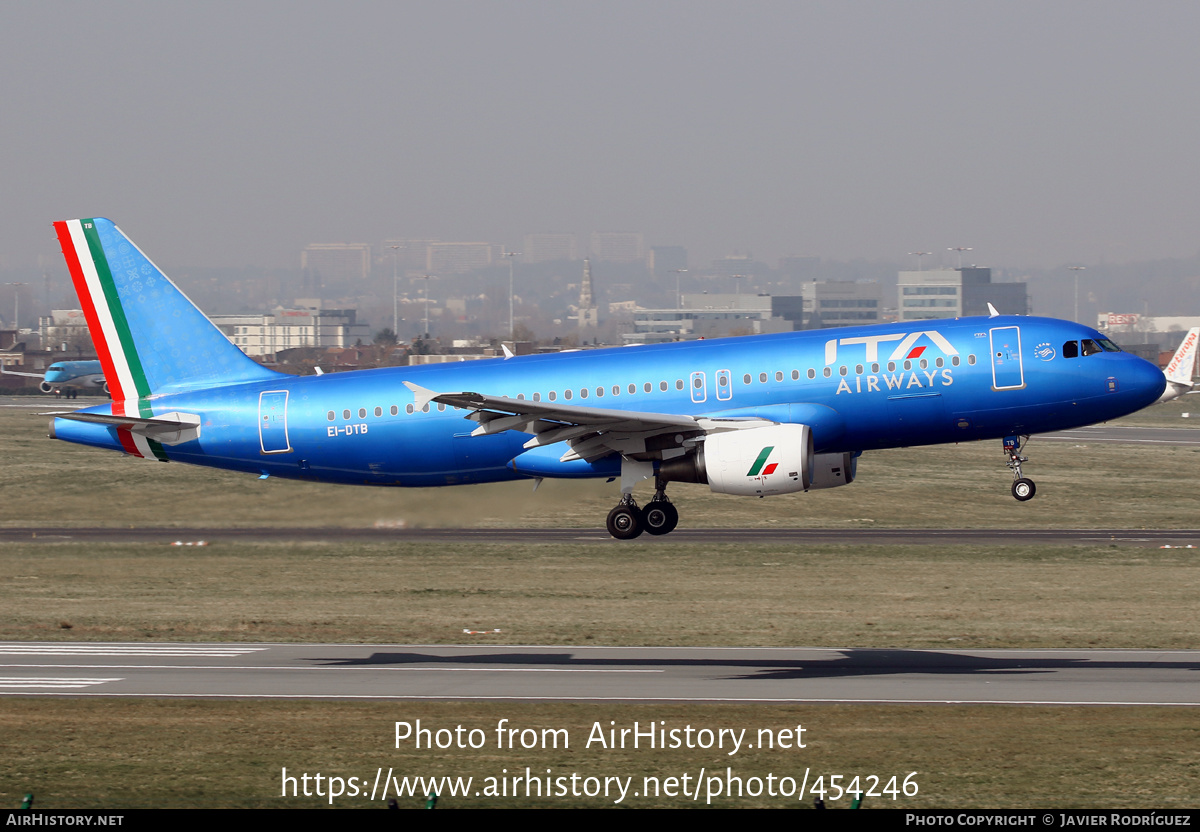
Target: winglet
<point>992,313</point>
<point>507,352</point>
<point>421,395</point>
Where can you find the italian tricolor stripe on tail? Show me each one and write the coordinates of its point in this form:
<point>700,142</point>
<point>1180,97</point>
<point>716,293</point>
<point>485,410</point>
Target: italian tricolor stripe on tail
<point>109,328</point>
<point>757,467</point>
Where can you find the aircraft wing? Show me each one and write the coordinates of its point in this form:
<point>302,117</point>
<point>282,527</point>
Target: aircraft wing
<point>591,432</point>
<point>26,375</point>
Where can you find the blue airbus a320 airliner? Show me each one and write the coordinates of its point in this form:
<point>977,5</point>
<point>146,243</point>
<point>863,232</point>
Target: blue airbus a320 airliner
<point>754,416</point>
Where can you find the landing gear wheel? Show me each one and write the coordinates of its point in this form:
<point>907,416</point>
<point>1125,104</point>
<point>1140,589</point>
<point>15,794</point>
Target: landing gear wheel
<point>625,522</point>
<point>1024,489</point>
<point>660,517</point>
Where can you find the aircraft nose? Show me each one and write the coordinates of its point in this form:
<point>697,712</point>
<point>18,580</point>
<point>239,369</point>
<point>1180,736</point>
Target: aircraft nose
<point>1147,380</point>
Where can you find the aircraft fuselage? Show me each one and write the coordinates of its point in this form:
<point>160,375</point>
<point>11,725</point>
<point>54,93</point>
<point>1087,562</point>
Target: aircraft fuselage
<point>858,388</point>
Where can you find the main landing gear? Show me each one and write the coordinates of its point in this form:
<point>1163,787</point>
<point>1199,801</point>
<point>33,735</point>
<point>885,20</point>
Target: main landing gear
<point>626,521</point>
<point>1023,489</point>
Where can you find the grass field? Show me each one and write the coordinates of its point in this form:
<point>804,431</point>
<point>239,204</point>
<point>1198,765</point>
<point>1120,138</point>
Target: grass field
<point>120,753</point>
<point>611,593</point>
<point>117,753</point>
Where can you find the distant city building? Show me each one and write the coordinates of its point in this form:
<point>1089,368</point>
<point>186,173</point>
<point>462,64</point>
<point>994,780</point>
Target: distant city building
<point>412,255</point>
<point>706,316</point>
<point>335,264</point>
<point>954,293</point>
<point>619,246</point>
<point>65,330</point>
<point>666,259</point>
<point>544,248</point>
<point>458,258</point>
<point>264,335</point>
<point>587,303</point>
<point>835,303</point>
<point>739,264</point>
<point>1130,329</point>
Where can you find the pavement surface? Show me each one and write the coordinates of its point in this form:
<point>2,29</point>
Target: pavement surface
<point>626,674</point>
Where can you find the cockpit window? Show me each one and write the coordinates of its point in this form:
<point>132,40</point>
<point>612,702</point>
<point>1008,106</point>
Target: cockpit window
<point>1090,347</point>
<point>1109,346</point>
<point>1071,349</point>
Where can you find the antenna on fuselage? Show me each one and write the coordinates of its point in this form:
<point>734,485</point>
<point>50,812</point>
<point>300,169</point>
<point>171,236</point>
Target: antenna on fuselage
<point>992,313</point>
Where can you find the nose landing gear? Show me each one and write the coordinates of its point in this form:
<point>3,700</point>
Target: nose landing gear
<point>1022,488</point>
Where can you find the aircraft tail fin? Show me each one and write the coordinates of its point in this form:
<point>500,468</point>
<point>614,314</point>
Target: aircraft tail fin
<point>1184,361</point>
<point>149,336</point>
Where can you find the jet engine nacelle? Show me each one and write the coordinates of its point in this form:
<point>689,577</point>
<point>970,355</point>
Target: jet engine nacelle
<point>756,462</point>
<point>46,387</point>
<point>832,470</point>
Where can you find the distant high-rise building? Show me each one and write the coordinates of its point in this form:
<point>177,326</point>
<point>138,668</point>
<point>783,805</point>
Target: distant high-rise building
<point>335,264</point>
<point>739,264</point>
<point>953,293</point>
<point>587,302</point>
<point>666,259</point>
<point>836,303</point>
<point>458,258</point>
<point>619,246</point>
<point>543,248</point>
<point>412,255</point>
<point>65,330</point>
<point>263,335</point>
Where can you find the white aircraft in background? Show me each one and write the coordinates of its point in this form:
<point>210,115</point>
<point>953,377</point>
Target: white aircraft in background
<point>1179,370</point>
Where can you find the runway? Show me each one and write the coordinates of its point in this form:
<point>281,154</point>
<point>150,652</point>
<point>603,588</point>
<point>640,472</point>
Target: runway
<point>1124,435</point>
<point>1143,538</point>
<point>611,674</point>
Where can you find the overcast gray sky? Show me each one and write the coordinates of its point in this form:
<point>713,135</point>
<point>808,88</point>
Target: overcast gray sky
<point>232,133</point>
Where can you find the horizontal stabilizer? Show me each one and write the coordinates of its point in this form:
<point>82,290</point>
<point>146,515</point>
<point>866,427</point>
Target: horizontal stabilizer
<point>169,428</point>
